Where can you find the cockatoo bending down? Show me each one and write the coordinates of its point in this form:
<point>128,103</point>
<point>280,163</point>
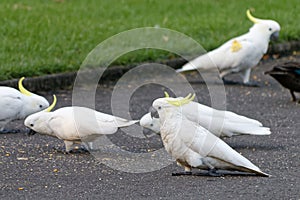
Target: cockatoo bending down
<point>220,123</point>
<point>239,54</point>
<point>194,146</point>
<point>74,124</point>
<point>16,104</point>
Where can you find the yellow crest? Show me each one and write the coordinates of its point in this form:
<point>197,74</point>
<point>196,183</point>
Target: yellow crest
<point>183,101</point>
<point>236,46</point>
<point>251,18</point>
<point>22,89</point>
<point>52,105</point>
<point>166,95</point>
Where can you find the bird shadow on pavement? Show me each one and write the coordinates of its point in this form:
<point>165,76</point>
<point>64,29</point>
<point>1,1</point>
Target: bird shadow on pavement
<point>220,173</point>
<point>266,147</point>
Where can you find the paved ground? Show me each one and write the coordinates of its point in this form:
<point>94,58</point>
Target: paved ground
<point>32,169</point>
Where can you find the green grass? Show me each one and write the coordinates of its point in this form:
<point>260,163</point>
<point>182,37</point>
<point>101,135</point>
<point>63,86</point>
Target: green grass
<point>47,36</point>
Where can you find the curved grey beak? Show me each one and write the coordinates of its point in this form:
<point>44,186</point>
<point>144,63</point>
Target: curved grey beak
<point>149,133</point>
<point>153,112</point>
<point>146,131</point>
<point>30,132</point>
<point>275,36</point>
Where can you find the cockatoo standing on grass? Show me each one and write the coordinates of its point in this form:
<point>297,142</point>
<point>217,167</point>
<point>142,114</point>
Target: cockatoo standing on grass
<point>220,123</point>
<point>16,104</point>
<point>74,124</point>
<point>239,54</point>
<point>192,145</point>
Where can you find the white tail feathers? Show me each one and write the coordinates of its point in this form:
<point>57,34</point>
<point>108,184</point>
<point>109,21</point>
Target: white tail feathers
<point>232,117</point>
<point>226,122</point>
<point>204,62</point>
<point>257,171</point>
<point>183,70</point>
<point>124,123</point>
<point>247,129</point>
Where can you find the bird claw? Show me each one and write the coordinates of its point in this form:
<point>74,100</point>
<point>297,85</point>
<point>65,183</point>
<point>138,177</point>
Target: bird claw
<point>213,172</point>
<point>72,151</point>
<point>79,150</point>
<point>59,150</point>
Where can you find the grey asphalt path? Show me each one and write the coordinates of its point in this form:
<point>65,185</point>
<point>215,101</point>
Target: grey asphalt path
<point>32,169</point>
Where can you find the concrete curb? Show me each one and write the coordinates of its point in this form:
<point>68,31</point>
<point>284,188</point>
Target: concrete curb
<point>284,48</point>
<point>66,80</point>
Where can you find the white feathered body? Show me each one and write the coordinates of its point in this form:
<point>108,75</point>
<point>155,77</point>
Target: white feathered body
<point>226,60</point>
<point>73,124</point>
<point>223,123</point>
<point>220,123</point>
<point>238,54</point>
<point>15,105</point>
<point>195,147</point>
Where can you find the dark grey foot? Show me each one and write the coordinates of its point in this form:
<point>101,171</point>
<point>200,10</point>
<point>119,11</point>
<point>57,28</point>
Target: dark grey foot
<point>79,150</point>
<point>60,150</point>
<point>7,131</point>
<point>73,151</point>
<point>228,82</point>
<point>182,173</point>
<point>213,172</point>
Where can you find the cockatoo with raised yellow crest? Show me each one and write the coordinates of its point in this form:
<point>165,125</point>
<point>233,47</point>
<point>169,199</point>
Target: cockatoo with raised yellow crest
<point>193,146</point>
<point>16,104</point>
<point>239,54</point>
<point>220,123</point>
<point>74,125</point>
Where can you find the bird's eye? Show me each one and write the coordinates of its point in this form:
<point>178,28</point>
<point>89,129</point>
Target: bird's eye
<point>270,29</point>
<point>31,125</point>
<point>159,107</point>
<point>151,124</point>
<point>41,106</point>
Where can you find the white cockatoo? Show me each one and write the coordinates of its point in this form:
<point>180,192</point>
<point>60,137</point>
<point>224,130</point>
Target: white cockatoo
<point>220,123</point>
<point>16,104</point>
<point>239,54</point>
<point>194,146</point>
<point>74,124</point>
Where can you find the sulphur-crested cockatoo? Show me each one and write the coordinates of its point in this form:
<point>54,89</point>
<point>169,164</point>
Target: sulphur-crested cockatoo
<point>220,123</point>
<point>74,124</point>
<point>16,104</point>
<point>239,54</point>
<point>194,146</point>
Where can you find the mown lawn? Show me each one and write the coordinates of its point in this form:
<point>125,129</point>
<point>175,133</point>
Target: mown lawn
<point>48,36</point>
